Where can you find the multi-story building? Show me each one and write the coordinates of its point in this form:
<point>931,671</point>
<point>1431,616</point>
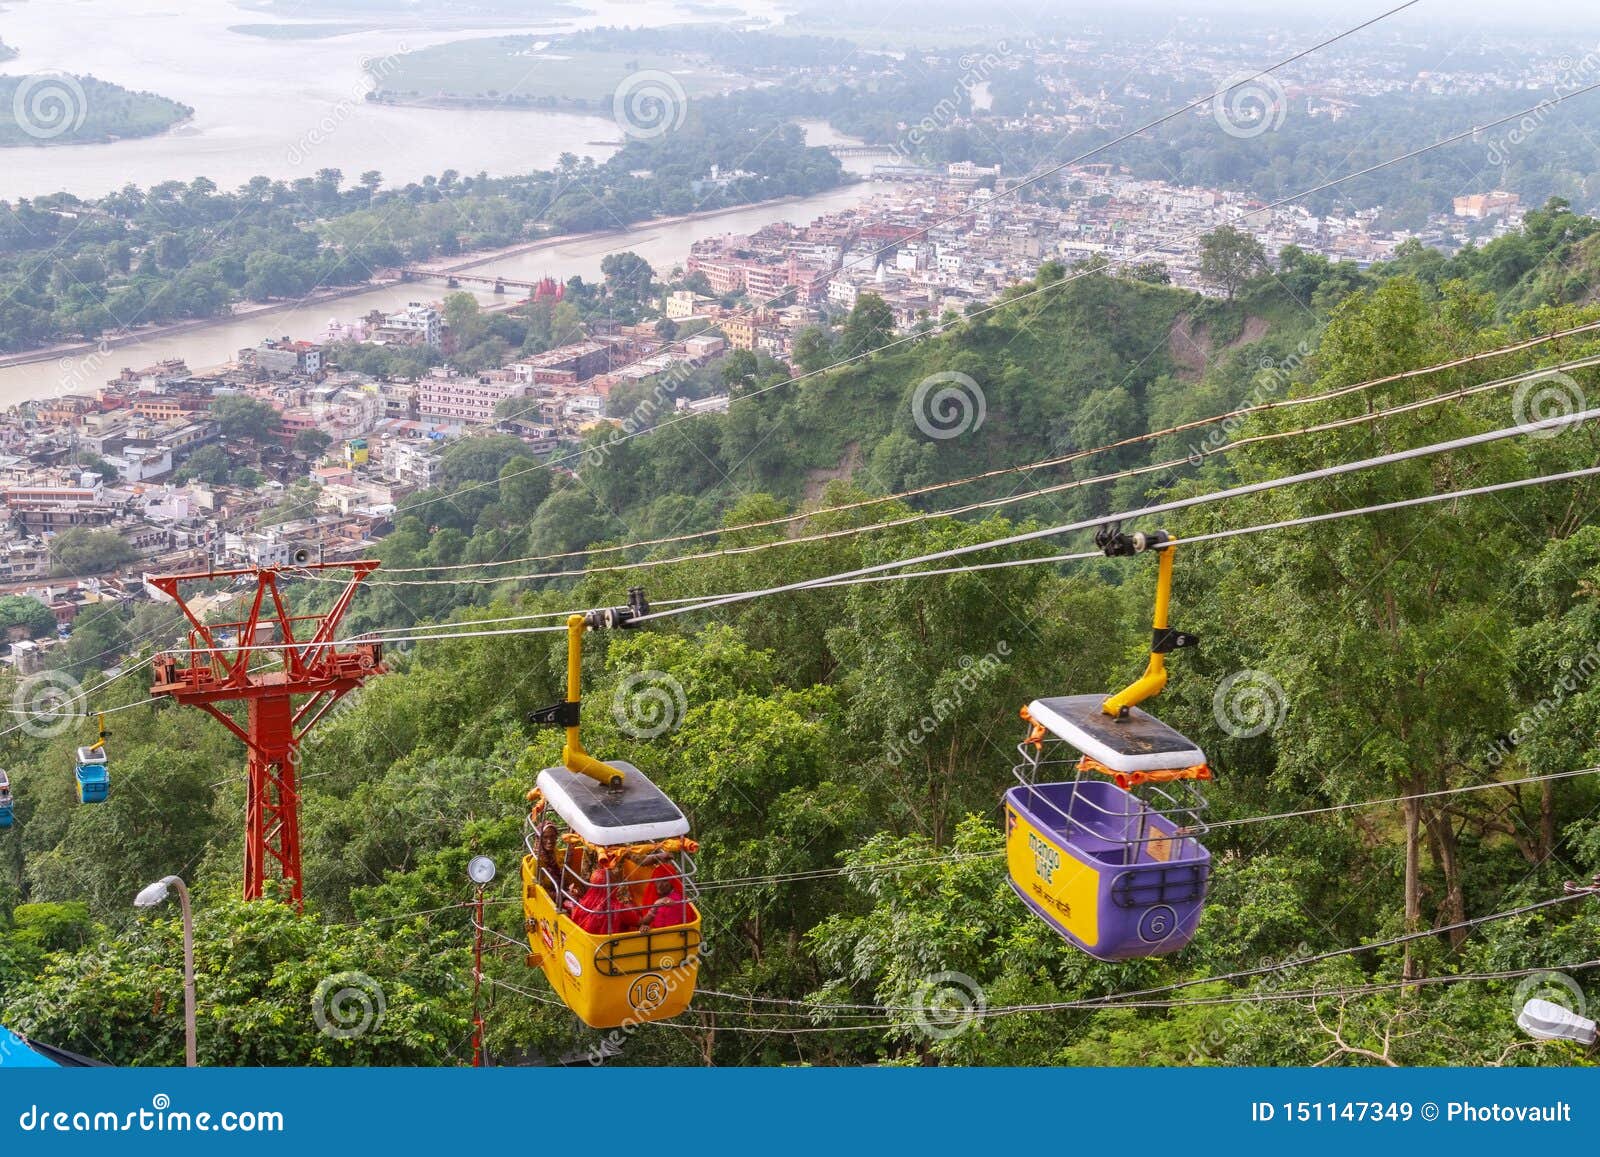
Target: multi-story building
<point>574,362</point>
<point>412,463</point>
<point>417,323</point>
<point>281,357</point>
<point>468,400</point>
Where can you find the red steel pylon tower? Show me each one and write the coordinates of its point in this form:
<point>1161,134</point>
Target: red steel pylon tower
<point>226,662</point>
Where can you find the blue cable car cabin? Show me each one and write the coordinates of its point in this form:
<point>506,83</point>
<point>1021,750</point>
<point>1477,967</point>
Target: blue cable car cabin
<point>7,805</point>
<point>91,775</point>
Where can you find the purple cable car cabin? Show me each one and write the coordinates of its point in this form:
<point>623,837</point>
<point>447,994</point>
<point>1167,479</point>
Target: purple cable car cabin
<point>1117,875</point>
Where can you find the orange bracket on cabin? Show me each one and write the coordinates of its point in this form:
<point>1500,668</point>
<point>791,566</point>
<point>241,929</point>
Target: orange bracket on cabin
<point>1128,779</point>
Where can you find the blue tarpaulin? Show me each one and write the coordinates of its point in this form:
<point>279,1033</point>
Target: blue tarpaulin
<point>15,1053</point>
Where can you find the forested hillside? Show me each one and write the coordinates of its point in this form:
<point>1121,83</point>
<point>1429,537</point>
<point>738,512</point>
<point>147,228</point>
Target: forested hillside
<point>860,736</point>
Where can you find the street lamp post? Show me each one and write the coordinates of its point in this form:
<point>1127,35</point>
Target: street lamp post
<point>1547,1020</point>
<point>155,894</point>
<point>481,870</point>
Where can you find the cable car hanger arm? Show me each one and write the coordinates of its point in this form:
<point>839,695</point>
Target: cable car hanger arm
<point>1164,638</point>
<point>568,712</point>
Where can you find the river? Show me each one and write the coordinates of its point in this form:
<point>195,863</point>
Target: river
<point>282,108</point>
<point>663,245</point>
<point>254,99</point>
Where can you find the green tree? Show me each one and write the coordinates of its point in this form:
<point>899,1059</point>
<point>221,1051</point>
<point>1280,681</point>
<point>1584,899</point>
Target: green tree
<point>1230,259</point>
<point>84,551</point>
<point>524,484</point>
<point>272,983</point>
<point>208,464</point>
<point>627,276</point>
<point>30,614</point>
<point>311,443</point>
<point>869,326</point>
<point>247,418</point>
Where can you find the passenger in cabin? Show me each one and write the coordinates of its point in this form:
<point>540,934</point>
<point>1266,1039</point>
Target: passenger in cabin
<point>667,907</point>
<point>603,910</point>
<point>547,856</point>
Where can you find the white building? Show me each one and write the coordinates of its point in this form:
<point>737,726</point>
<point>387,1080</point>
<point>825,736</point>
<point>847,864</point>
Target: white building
<point>417,318</point>
<point>415,463</point>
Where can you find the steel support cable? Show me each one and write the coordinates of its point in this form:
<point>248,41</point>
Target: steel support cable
<point>878,572</point>
<point>1311,994</point>
<point>763,881</point>
<point>1123,999</point>
<point>1004,500</point>
<point>1059,460</point>
<point>1168,507</point>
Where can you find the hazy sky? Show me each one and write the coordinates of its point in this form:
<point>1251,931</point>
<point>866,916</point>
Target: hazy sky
<point>1580,17</point>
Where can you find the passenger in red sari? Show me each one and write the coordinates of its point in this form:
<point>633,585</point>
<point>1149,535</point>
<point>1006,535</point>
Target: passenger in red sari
<point>604,910</point>
<point>669,908</point>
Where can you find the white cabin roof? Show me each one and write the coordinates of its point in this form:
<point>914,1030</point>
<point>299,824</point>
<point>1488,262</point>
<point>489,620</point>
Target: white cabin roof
<point>1137,741</point>
<point>638,813</point>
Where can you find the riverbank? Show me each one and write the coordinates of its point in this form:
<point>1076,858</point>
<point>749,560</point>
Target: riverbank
<point>61,110</point>
<point>462,264</point>
<point>470,261</point>
<point>176,328</point>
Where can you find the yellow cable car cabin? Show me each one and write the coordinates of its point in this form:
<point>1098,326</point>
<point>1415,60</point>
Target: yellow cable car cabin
<point>606,889</point>
<point>608,880</point>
